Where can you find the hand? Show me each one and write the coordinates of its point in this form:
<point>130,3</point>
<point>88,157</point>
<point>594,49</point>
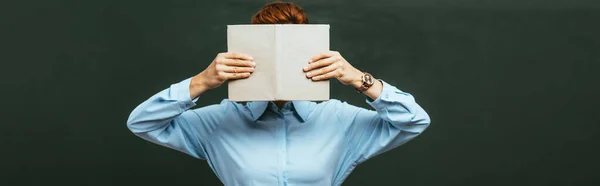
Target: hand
<point>331,64</point>
<point>226,66</point>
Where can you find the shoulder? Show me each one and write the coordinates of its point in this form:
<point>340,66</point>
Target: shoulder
<point>237,109</point>
<point>334,106</point>
<point>225,110</point>
<point>232,106</point>
<point>223,107</point>
<point>329,104</point>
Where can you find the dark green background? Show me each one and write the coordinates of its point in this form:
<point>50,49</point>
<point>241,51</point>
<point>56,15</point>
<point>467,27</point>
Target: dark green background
<point>511,86</point>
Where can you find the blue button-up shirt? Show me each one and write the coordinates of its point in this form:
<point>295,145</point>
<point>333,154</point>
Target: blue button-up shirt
<point>304,143</point>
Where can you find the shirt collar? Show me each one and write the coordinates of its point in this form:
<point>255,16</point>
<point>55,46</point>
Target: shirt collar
<point>257,108</point>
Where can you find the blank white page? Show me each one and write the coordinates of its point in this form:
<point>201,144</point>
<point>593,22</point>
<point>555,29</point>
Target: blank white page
<point>280,51</point>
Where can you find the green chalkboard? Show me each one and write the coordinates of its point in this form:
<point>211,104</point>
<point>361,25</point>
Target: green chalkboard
<point>511,86</point>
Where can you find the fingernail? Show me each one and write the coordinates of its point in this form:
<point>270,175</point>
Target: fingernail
<point>253,64</point>
<point>310,60</point>
<point>308,74</point>
<point>305,68</point>
<point>251,58</point>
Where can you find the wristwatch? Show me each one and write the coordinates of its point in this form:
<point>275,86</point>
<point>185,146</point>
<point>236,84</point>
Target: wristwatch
<point>367,82</point>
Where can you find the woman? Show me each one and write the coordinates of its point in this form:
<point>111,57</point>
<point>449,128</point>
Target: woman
<point>280,143</point>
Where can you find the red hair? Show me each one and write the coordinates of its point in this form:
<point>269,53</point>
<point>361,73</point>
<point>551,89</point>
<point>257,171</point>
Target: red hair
<point>280,13</point>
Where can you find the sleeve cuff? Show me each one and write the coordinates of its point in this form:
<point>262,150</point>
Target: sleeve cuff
<point>388,94</point>
<point>181,93</point>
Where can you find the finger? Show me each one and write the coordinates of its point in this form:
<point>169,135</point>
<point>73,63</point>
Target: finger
<point>322,63</point>
<point>329,75</point>
<point>322,55</point>
<point>235,69</point>
<point>234,55</point>
<point>323,70</point>
<point>237,62</point>
<point>232,76</point>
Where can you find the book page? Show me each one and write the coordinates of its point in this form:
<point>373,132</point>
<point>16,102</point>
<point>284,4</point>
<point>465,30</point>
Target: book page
<point>298,43</point>
<point>257,41</point>
<point>280,51</point>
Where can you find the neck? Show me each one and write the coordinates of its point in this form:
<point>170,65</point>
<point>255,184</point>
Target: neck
<point>280,104</point>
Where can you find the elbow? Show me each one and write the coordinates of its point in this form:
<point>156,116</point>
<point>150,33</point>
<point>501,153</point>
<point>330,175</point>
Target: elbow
<point>421,117</point>
<point>132,124</point>
<point>135,128</point>
<point>141,125</point>
<point>420,121</point>
<point>425,119</point>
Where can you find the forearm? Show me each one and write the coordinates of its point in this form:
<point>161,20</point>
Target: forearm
<point>197,86</point>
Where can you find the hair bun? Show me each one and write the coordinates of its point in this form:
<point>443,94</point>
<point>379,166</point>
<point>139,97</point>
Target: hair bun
<point>280,13</point>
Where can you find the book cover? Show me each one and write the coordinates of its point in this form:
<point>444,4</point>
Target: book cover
<point>280,52</point>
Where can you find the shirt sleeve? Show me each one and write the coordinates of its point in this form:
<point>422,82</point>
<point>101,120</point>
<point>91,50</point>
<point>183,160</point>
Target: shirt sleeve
<point>165,119</point>
<point>396,120</point>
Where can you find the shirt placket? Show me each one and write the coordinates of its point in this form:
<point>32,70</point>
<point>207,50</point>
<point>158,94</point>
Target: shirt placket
<point>284,150</point>
<point>283,146</point>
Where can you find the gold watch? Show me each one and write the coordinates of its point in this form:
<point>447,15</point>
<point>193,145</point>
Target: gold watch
<point>367,82</point>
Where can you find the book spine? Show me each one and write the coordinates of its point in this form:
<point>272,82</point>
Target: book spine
<point>278,62</point>
<point>229,89</point>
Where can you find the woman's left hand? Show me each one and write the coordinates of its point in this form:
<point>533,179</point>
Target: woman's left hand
<point>331,64</point>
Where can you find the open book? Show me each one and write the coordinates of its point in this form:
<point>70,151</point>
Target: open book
<point>280,52</point>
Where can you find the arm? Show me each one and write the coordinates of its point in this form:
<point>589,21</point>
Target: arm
<point>164,118</point>
<point>397,117</point>
<point>396,120</point>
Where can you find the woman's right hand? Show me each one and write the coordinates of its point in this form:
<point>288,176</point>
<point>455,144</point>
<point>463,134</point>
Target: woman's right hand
<point>226,66</point>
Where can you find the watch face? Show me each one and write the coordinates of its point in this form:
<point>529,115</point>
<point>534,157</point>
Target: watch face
<point>368,79</point>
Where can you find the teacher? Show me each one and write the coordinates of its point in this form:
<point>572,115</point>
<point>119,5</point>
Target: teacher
<point>283,142</point>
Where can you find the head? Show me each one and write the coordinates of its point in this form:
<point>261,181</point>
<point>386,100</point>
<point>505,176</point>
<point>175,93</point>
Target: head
<point>280,13</point>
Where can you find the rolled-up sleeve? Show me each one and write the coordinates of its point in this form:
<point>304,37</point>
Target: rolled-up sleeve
<point>396,120</point>
<point>165,119</point>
